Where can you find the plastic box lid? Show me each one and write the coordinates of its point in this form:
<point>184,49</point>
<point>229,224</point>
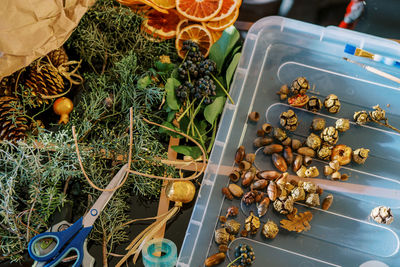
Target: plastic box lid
<point>277,51</point>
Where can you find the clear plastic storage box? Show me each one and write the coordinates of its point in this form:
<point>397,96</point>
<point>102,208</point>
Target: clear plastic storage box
<point>277,51</point>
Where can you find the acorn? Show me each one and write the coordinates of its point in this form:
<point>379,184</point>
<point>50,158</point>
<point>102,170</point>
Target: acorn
<point>254,116</point>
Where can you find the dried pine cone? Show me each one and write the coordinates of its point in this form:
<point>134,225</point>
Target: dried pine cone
<point>342,125</point>
<point>7,85</point>
<point>382,214</point>
<point>378,113</point>
<point>300,86</point>
<point>284,206</point>
<point>361,117</point>
<point>288,120</point>
<point>58,57</point>
<point>325,151</point>
<point>314,104</point>
<point>332,103</point>
<point>13,124</point>
<point>330,135</point>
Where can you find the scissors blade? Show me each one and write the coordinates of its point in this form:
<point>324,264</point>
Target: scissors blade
<point>101,202</point>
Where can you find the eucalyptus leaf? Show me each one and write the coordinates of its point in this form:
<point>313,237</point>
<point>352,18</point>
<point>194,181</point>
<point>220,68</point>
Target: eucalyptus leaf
<point>212,111</point>
<point>220,50</point>
<point>170,86</point>
<point>230,71</point>
<point>170,125</point>
<point>164,67</point>
<point>144,82</point>
<point>192,151</point>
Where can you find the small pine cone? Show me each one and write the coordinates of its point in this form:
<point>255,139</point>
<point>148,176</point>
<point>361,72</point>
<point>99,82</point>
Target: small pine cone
<point>58,57</point>
<point>300,86</point>
<point>361,117</point>
<point>378,113</point>
<point>43,81</point>
<point>13,124</point>
<point>7,85</point>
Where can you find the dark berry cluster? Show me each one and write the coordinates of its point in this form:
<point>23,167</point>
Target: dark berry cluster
<point>246,253</point>
<point>195,71</point>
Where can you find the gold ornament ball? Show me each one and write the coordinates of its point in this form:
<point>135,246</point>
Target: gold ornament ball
<point>180,191</point>
<point>62,107</point>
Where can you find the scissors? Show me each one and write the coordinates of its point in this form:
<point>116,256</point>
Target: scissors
<point>73,238</point>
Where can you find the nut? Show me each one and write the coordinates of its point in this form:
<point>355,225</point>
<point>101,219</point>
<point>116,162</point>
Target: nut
<point>267,128</point>
<point>215,259</point>
<point>287,141</point>
<point>342,154</point>
<point>309,187</point>
<point>298,161</point>
<point>288,120</point>
<point>236,190</point>
<point>283,92</point>
<point>248,178</point>
<point>313,141</point>
<point>260,133</point>
<point>262,141</point>
<point>274,148</point>
<point>306,151</point>
<point>307,161</point>
<point>262,207</point>
<point>296,144</point>
<point>332,103</point>
<point>312,172</point>
<point>342,125</point>
<point>279,162</point>
<point>254,116</point>
<point>270,230</point>
<point>302,171</point>
<point>334,165</point>
<point>280,134</point>
<point>360,155</point>
<point>227,193</point>
<point>234,176</point>
<point>244,165</point>
<point>250,197</point>
<point>298,194</point>
<point>268,175</point>
<point>327,202</point>
<point>239,156</point>
<point>318,124</point>
<point>288,154</point>
<point>284,206</point>
<point>259,184</point>
<point>272,191</point>
<point>252,224</point>
<point>250,157</point>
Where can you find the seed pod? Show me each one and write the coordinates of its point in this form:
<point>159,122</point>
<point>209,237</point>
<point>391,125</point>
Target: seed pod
<point>327,202</point>
<point>330,135</point>
<point>325,151</point>
<point>259,185</point>
<point>332,103</point>
<point>215,259</point>
<point>267,128</point>
<point>342,154</point>
<point>307,161</point>
<point>234,176</point>
<point>328,170</point>
<point>232,227</point>
<point>283,92</point>
<point>260,133</point>
<point>235,190</point>
<point>272,191</point>
<point>288,120</point>
<point>312,172</point>
<point>361,117</point>
<point>279,162</point>
<point>254,116</point>
<point>334,165</point>
<point>336,176</point>
<point>318,124</point>
<point>248,179</point>
<point>360,155</point>
<point>274,148</point>
<point>313,141</point>
<point>342,125</point>
<point>288,155</point>
<point>262,207</point>
<point>298,161</point>
<point>306,151</point>
<point>221,236</point>
<point>302,171</point>
<point>227,193</point>
<point>244,165</point>
<point>262,141</point>
<point>250,157</point>
<point>280,134</point>
<point>239,156</point>
<point>299,86</point>
<point>268,175</point>
<point>309,187</point>
<point>378,114</point>
<point>296,144</point>
<point>270,230</point>
<point>314,104</point>
<point>287,141</point>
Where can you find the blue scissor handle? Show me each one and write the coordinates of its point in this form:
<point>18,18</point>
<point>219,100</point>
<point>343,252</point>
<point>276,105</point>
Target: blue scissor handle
<point>62,238</point>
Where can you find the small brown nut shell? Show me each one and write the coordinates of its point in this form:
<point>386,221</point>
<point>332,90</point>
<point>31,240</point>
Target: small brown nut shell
<point>312,172</point>
<point>279,162</point>
<point>327,202</point>
<point>215,259</point>
<point>288,154</point>
<point>274,148</point>
<point>287,141</point>
<point>306,151</point>
<point>262,141</point>
<point>235,190</point>
<point>296,144</point>
<point>336,176</point>
<point>268,175</point>
<point>250,157</point>
<point>254,116</point>
<point>259,184</point>
<point>234,176</point>
<point>244,165</point>
<point>298,161</point>
<point>334,165</point>
<point>302,171</point>
<point>272,191</point>
<point>239,156</point>
<point>227,193</point>
<point>248,178</point>
<point>328,170</point>
<point>307,161</point>
<point>260,133</point>
<point>267,128</point>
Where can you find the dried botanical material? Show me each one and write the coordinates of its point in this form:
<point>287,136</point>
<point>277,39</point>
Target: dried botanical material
<point>325,151</point>
<point>274,148</point>
<point>260,133</point>
<point>309,187</point>
<point>320,190</point>
<point>270,229</point>
<point>240,153</point>
<point>328,170</point>
<point>232,227</point>
<point>306,151</point>
<point>361,117</point>
<point>250,157</point>
<point>262,141</point>
<point>307,161</point>
<point>235,190</point>
<point>252,224</point>
<point>332,103</point>
<point>298,194</point>
<point>244,233</point>
<point>262,207</point>
<point>221,236</point>
<point>314,104</point>
<point>299,86</point>
<point>244,165</point>
<point>344,177</point>
<point>336,176</point>
<point>272,191</point>
<point>318,124</point>
<point>288,154</point>
<point>312,199</point>
<point>378,113</point>
<point>245,255</point>
<point>298,161</point>
<point>279,162</point>
<point>227,193</point>
<point>248,178</point>
<point>268,175</point>
<point>298,100</point>
<point>297,222</point>
<point>326,204</point>
<point>313,141</point>
<point>234,176</point>
<point>215,259</point>
<point>334,164</point>
<point>232,211</point>
<point>287,141</point>
<point>302,171</point>
<point>342,154</point>
<point>280,134</point>
<point>382,214</point>
<point>288,120</point>
<point>249,198</point>
<point>223,248</point>
<point>284,206</point>
<point>342,125</point>
<point>283,92</point>
<point>267,128</point>
<point>259,184</point>
<point>312,172</point>
<point>222,219</point>
<point>296,144</point>
<point>360,155</point>
<point>254,116</point>
<point>330,135</point>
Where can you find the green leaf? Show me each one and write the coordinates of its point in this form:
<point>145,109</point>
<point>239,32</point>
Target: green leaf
<point>193,151</point>
<point>170,86</point>
<point>170,125</point>
<point>164,67</point>
<point>218,90</point>
<point>175,74</point>
<point>144,82</point>
<point>221,49</point>
<point>231,69</point>
<point>171,115</point>
<point>212,111</point>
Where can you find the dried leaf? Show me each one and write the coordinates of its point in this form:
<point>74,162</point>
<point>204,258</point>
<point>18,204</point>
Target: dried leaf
<point>297,222</point>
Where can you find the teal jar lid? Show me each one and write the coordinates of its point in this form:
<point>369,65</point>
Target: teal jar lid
<point>162,246</point>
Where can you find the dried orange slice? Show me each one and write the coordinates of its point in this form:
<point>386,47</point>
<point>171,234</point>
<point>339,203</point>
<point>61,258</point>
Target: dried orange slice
<point>199,10</point>
<point>184,23</point>
<point>216,35</point>
<point>146,2</point>
<point>228,7</point>
<point>196,33</point>
<point>167,4</point>
<point>223,23</point>
<point>161,25</point>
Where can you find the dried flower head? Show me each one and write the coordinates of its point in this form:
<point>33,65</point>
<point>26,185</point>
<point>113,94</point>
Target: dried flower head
<point>361,117</point>
<point>378,113</point>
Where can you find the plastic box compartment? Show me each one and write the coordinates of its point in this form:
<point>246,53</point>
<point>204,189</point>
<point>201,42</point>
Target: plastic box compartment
<point>276,51</point>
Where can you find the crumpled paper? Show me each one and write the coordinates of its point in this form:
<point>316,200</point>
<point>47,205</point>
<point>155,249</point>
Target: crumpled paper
<point>30,29</point>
